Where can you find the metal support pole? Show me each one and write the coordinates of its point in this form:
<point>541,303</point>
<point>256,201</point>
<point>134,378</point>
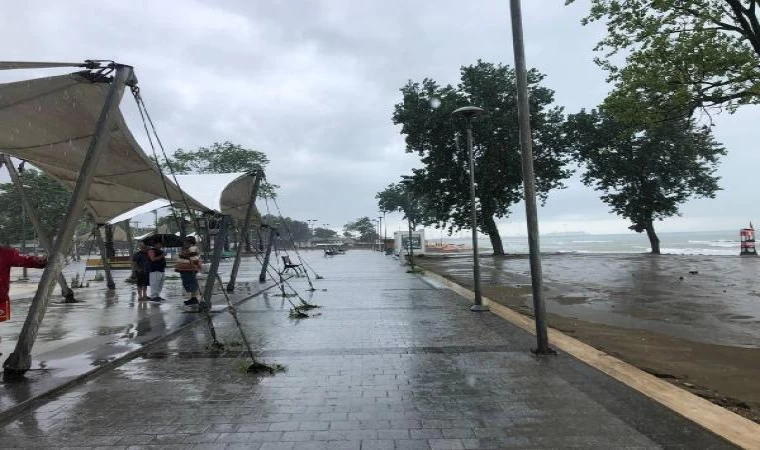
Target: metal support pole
<point>104,259</point>
<point>212,275</point>
<point>529,182</point>
<point>20,360</point>
<point>130,246</point>
<point>24,272</point>
<point>244,233</point>
<point>42,234</point>
<point>130,239</point>
<point>110,247</point>
<point>478,306</point>
<point>265,264</point>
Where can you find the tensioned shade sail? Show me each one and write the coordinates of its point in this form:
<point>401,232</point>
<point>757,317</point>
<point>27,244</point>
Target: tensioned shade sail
<point>50,121</point>
<point>224,193</point>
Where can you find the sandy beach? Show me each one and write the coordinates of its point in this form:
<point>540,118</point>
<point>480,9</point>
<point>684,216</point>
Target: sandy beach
<point>692,320</point>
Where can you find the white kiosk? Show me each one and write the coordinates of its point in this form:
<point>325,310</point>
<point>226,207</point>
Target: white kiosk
<point>401,242</point>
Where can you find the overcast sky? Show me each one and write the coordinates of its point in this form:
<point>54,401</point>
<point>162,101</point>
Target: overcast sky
<point>313,83</point>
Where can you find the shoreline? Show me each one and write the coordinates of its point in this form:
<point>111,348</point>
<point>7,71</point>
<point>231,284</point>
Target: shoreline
<point>726,375</point>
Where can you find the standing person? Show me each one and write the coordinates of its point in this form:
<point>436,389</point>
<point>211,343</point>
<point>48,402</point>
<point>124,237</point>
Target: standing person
<point>188,265</point>
<point>10,257</point>
<point>157,267</point>
<point>141,269</point>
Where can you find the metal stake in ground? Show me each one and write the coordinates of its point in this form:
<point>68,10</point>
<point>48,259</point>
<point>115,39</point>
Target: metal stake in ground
<point>255,365</point>
<point>529,182</point>
<point>43,236</point>
<point>469,113</point>
<point>20,360</point>
<point>244,233</point>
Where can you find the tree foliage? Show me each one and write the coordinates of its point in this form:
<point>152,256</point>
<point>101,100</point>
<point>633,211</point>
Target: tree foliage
<point>289,229</point>
<point>425,118</point>
<point>362,227</point>
<point>679,55</point>
<point>403,198</point>
<point>48,197</point>
<point>224,157</point>
<point>645,173</point>
<point>324,233</point>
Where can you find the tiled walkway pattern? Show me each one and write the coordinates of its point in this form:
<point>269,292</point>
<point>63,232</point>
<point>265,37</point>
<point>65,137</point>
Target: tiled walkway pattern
<point>389,362</point>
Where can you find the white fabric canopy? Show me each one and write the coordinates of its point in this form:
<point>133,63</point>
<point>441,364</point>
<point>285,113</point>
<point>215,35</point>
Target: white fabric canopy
<point>146,208</point>
<point>223,193</point>
<point>50,121</point>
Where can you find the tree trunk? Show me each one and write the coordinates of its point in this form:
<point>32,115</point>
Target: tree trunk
<point>654,241</point>
<point>493,233</point>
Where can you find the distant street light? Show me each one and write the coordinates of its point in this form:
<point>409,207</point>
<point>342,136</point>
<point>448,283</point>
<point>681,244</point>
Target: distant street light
<point>469,113</point>
<point>529,182</point>
<point>379,229</point>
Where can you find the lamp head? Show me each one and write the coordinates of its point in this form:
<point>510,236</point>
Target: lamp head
<point>469,112</point>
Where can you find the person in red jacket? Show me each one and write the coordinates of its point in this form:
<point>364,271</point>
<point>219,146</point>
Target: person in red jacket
<point>10,257</point>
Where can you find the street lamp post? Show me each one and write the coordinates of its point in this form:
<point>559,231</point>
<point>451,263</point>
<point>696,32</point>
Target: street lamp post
<point>469,113</point>
<point>379,228</point>
<point>385,233</point>
<point>529,182</point>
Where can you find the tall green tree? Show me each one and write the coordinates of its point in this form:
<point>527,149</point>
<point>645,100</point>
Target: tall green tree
<point>362,227</point>
<point>324,233</point>
<point>289,229</point>
<point>669,58</point>
<point>403,198</point>
<point>224,157</point>
<point>48,197</point>
<point>645,173</point>
<point>425,118</point>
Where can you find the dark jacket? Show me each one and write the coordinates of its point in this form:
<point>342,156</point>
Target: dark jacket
<point>159,265</point>
<point>142,263</point>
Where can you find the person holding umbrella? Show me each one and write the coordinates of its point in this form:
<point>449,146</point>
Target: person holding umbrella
<point>157,266</point>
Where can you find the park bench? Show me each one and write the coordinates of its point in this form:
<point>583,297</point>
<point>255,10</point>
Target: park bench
<point>289,265</point>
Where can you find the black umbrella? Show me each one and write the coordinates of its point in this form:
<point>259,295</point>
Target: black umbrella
<point>169,240</point>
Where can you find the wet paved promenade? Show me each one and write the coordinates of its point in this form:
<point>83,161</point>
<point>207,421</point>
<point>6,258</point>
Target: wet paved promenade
<point>389,362</point>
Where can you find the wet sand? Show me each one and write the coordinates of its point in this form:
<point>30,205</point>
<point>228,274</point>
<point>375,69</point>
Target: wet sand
<point>692,320</point>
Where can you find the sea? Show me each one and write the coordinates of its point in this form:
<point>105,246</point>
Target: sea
<point>679,243</point>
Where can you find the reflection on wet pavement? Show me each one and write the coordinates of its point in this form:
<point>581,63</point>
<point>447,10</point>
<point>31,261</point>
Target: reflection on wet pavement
<point>106,325</point>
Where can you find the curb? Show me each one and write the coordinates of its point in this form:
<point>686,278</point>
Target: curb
<point>720,421</point>
<point>43,397</point>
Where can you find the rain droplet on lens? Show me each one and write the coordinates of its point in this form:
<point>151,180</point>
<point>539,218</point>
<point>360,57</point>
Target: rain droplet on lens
<point>435,102</point>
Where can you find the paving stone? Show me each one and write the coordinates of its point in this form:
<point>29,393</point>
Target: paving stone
<point>378,444</point>
<point>390,362</point>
